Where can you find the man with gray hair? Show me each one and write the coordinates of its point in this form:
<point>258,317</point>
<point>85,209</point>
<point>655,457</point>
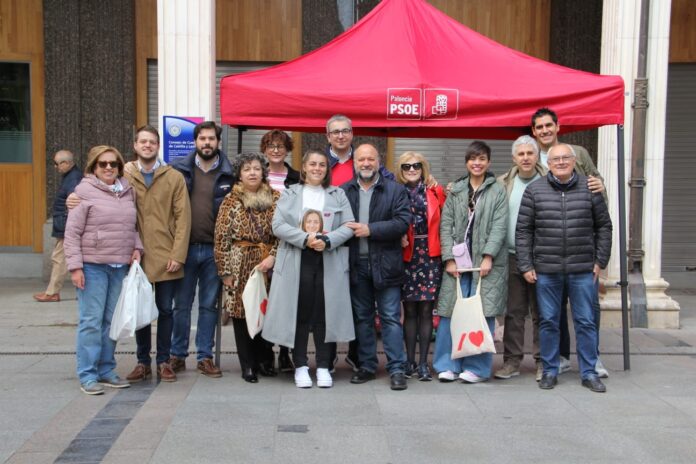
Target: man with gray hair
<point>64,162</point>
<point>563,240</point>
<point>521,294</point>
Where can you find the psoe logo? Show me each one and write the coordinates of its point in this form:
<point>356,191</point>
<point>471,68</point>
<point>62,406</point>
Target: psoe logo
<point>440,103</point>
<point>404,103</point>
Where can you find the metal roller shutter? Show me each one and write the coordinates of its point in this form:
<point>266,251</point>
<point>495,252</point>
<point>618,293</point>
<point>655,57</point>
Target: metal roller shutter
<point>446,156</point>
<point>679,200</point>
<point>251,139</point>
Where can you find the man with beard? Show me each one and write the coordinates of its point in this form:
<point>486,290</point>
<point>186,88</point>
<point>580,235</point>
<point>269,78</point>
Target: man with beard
<point>383,211</point>
<point>208,176</point>
<point>164,222</point>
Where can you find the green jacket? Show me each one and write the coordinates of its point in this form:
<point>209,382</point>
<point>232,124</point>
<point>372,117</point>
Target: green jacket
<point>489,238</point>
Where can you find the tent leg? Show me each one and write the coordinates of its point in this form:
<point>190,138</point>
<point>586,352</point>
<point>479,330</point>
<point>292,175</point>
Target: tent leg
<point>218,328</point>
<point>240,130</point>
<point>623,283</point>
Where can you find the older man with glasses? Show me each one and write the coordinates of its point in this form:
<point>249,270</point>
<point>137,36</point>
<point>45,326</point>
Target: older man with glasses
<point>563,239</point>
<point>64,163</point>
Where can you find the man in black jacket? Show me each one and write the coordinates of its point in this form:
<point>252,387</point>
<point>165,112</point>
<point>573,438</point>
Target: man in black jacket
<point>208,175</point>
<point>563,239</point>
<point>64,162</point>
<point>376,264</point>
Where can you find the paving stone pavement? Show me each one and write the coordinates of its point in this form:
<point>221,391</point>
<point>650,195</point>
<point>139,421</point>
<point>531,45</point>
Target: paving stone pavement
<point>648,414</point>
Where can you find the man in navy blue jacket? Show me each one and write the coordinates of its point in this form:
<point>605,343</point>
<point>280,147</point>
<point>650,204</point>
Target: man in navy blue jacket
<point>64,162</point>
<point>383,213</point>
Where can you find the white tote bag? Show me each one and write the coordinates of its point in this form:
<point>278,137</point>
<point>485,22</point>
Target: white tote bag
<point>255,300</point>
<point>136,306</point>
<point>468,327</point>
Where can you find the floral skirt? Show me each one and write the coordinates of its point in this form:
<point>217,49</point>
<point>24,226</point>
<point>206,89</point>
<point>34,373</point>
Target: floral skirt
<point>423,274</point>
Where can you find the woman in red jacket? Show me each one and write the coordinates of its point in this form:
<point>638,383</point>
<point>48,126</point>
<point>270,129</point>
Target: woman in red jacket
<point>421,246</point>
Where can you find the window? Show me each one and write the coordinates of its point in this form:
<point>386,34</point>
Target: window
<point>15,113</point>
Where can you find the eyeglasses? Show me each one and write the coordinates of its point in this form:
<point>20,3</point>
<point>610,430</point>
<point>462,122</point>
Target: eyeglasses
<point>111,164</point>
<point>338,132</point>
<point>560,159</point>
<point>414,166</point>
<point>275,147</point>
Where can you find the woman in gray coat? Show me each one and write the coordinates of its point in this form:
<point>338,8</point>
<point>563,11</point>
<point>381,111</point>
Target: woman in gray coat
<point>326,306</point>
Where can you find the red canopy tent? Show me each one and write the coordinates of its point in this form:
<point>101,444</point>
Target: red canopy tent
<point>409,70</point>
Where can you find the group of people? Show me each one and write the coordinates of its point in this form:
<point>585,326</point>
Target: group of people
<point>340,241</point>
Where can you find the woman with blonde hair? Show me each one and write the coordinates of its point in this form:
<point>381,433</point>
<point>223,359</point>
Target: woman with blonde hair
<point>421,250</point>
<point>101,241</point>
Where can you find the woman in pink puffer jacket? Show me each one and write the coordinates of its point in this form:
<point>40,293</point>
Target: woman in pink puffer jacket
<point>101,241</point>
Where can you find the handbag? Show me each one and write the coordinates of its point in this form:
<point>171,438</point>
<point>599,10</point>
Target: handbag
<point>461,252</point>
<point>255,300</point>
<point>468,327</point>
<point>136,306</point>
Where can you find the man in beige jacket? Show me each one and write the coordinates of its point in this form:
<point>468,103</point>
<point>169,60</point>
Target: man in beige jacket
<point>164,222</point>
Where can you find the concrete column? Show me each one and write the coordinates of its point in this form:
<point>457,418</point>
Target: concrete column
<point>620,35</point>
<point>186,58</point>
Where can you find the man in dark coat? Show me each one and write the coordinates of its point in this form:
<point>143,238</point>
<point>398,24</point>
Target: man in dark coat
<point>563,239</point>
<point>64,162</point>
<point>383,213</point>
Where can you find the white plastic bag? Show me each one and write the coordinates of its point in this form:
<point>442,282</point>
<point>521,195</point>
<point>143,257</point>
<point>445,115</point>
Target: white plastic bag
<point>468,327</point>
<point>136,306</point>
<point>255,299</point>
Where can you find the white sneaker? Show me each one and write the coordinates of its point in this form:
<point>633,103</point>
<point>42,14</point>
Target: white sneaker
<point>446,376</point>
<point>324,379</point>
<point>302,378</point>
<point>564,365</point>
<point>602,371</point>
<point>470,377</point>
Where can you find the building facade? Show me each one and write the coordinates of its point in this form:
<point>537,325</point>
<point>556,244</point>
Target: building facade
<point>75,73</point>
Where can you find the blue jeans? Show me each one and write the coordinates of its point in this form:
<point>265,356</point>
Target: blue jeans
<point>164,299</point>
<point>96,303</point>
<point>565,335</point>
<point>363,296</point>
<point>581,291</point>
<point>200,270</point>
<point>480,364</point>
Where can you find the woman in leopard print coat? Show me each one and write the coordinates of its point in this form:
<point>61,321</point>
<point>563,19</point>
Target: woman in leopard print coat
<point>243,240</point>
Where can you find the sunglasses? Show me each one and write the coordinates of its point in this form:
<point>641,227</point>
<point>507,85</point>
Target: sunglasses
<point>111,164</point>
<point>414,166</point>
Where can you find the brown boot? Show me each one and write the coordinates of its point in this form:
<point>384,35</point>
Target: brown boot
<point>207,368</point>
<point>165,373</point>
<point>140,372</point>
<point>45,298</point>
<point>177,364</point>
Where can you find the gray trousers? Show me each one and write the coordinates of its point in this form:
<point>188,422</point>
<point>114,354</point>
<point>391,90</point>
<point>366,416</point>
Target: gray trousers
<point>521,302</point>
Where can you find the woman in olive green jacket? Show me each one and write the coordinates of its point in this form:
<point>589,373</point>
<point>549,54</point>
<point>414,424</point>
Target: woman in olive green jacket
<point>479,198</point>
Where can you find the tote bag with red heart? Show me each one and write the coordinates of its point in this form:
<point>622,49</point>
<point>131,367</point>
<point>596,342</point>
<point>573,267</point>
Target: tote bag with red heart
<point>468,327</point>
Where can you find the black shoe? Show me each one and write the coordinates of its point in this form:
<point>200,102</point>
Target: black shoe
<point>362,376</point>
<point>594,384</point>
<point>410,369</point>
<point>424,374</point>
<point>267,370</point>
<point>398,381</point>
<point>284,362</point>
<point>548,381</point>
<point>249,375</point>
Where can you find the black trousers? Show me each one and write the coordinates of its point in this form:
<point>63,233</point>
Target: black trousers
<point>311,311</point>
<point>251,352</point>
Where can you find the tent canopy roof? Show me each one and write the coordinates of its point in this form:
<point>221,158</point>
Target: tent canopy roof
<point>409,70</point>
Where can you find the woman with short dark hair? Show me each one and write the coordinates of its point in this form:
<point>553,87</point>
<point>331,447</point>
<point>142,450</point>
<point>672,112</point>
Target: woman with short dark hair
<point>244,240</point>
<point>475,213</point>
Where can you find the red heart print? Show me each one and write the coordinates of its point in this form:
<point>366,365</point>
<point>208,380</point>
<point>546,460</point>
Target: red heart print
<point>264,303</point>
<point>476,338</point>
